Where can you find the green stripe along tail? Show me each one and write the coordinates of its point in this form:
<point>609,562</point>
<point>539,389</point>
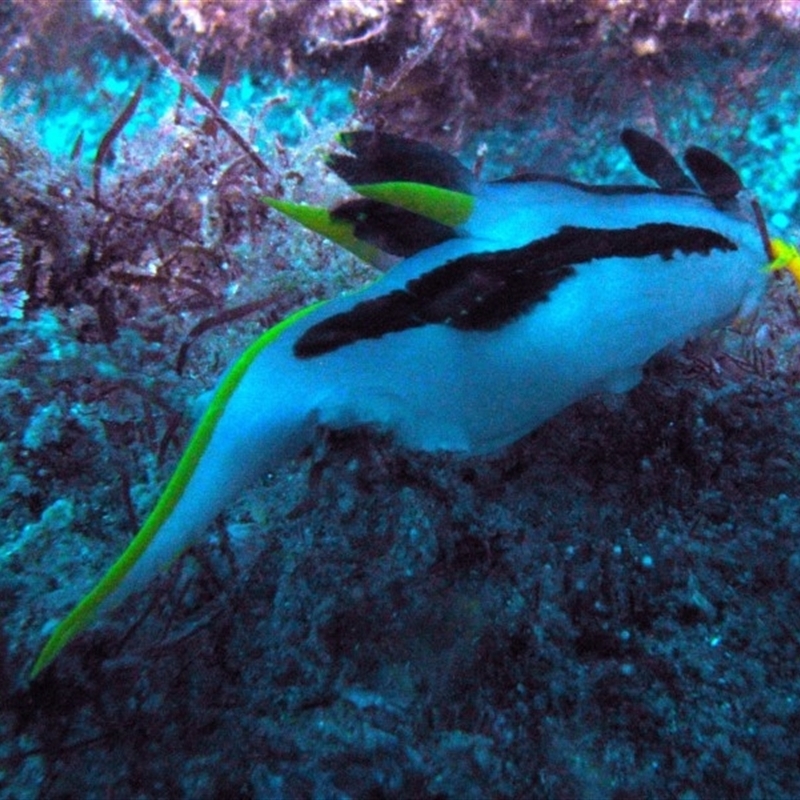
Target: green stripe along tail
<point>162,531</point>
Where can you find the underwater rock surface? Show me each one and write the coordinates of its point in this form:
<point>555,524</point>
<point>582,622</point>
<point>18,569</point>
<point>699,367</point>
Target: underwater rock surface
<point>608,608</point>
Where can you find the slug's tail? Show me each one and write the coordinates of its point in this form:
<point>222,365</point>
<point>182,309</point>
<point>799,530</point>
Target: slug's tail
<point>110,585</point>
<point>244,431</point>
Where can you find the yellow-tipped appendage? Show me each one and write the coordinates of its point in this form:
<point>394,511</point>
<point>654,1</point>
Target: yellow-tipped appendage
<point>86,609</point>
<point>319,220</point>
<point>445,206</point>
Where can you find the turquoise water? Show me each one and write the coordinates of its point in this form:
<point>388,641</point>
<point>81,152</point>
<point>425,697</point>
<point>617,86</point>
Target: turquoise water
<point>61,110</point>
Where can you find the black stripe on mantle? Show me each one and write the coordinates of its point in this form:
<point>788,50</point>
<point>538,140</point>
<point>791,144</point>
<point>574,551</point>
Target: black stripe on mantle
<point>484,291</point>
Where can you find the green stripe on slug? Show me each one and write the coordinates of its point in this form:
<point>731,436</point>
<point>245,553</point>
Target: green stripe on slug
<point>83,613</point>
<point>446,206</point>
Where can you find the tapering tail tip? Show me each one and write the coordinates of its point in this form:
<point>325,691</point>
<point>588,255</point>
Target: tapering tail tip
<point>109,588</point>
<point>71,626</point>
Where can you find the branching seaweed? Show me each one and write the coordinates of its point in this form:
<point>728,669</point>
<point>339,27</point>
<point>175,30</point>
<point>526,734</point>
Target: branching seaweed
<point>107,141</point>
<point>138,29</point>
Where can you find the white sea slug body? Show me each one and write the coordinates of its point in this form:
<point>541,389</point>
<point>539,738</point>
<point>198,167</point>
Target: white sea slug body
<point>510,301</point>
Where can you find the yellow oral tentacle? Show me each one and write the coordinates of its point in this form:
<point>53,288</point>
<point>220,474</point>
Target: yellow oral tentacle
<point>785,256</point>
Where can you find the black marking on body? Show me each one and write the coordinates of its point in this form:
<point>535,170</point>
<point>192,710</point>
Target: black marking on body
<point>484,291</point>
<point>383,157</point>
<point>390,228</point>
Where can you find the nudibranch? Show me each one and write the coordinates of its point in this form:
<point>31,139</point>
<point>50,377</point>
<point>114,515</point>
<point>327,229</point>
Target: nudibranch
<point>506,302</point>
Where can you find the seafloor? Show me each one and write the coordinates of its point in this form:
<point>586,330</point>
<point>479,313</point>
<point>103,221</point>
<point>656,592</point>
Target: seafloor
<point>609,608</point>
